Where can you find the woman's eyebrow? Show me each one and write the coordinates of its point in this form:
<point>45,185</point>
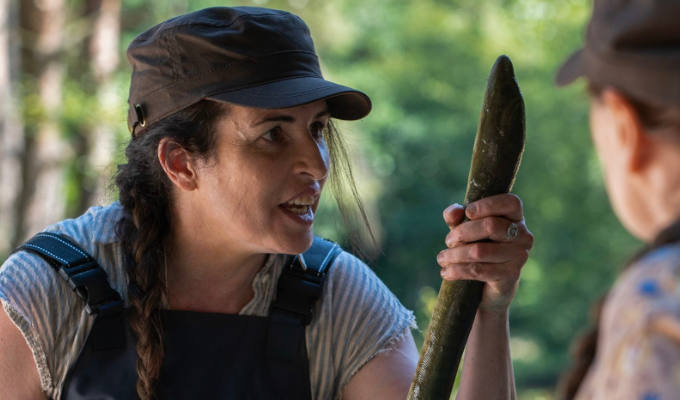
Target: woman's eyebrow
<point>323,113</point>
<point>288,118</point>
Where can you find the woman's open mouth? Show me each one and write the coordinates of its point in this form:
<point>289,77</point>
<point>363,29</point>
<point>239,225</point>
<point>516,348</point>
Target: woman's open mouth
<point>300,209</point>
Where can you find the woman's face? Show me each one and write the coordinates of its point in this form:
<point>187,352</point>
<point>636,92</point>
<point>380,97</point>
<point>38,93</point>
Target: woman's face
<point>261,190</point>
<point>614,151</point>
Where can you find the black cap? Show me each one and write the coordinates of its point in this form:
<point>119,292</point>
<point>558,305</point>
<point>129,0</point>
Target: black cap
<point>633,45</point>
<point>250,56</point>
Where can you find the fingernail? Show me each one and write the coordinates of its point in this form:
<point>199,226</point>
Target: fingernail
<point>440,256</point>
<point>452,207</point>
<point>443,273</point>
<point>448,210</point>
<point>471,209</point>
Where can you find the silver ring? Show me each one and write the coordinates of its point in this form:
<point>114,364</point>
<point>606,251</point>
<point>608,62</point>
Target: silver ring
<point>512,232</point>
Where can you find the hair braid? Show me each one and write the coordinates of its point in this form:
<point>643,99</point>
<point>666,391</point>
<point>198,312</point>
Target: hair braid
<point>144,192</point>
<point>145,298</point>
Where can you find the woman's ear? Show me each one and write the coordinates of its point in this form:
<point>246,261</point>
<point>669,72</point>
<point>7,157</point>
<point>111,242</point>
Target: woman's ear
<point>178,164</point>
<point>630,139</point>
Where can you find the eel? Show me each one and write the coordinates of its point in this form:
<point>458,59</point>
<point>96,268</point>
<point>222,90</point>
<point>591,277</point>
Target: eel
<point>496,156</point>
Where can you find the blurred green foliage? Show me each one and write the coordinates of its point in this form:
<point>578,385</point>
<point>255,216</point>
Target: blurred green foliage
<point>425,64</point>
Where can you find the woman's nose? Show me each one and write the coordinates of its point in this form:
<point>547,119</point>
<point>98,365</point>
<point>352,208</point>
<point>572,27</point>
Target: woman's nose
<point>313,158</point>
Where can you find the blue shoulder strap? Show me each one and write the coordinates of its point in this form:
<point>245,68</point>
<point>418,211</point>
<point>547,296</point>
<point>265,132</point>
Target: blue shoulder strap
<point>80,270</point>
<point>299,288</point>
<point>301,281</point>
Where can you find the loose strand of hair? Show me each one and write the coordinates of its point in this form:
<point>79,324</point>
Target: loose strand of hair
<point>361,235</point>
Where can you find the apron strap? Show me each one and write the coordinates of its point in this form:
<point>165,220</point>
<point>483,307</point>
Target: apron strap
<point>81,271</point>
<point>299,288</point>
<point>301,282</point>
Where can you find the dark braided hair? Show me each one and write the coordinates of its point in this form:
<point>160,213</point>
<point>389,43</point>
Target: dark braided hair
<point>584,348</point>
<point>144,191</point>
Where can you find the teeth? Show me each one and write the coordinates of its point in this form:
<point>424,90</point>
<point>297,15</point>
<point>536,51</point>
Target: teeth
<point>298,209</point>
<point>301,201</point>
<point>300,205</point>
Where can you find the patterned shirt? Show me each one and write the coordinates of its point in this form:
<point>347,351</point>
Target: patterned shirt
<point>638,354</point>
<point>356,318</point>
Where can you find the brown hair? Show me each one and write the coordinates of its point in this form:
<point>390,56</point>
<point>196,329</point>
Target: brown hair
<point>144,191</point>
<point>654,118</point>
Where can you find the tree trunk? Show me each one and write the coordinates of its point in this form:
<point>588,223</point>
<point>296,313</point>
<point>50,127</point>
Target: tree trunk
<point>99,137</point>
<point>11,134</point>
<point>42,197</point>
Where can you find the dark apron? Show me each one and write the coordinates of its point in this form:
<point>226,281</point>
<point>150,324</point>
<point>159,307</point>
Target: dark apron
<point>207,355</point>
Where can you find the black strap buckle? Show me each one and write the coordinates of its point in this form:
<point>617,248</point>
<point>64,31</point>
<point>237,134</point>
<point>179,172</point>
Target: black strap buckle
<point>301,282</point>
<point>297,292</point>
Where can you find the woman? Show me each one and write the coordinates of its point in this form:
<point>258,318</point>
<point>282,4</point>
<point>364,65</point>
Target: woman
<point>631,62</point>
<point>231,146</point>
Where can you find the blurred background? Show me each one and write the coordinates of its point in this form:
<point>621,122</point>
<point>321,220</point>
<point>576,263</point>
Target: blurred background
<point>63,83</point>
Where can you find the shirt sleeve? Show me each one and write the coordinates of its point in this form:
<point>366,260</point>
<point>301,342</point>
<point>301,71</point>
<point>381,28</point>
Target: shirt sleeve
<point>38,302</point>
<point>634,359</point>
<point>364,318</point>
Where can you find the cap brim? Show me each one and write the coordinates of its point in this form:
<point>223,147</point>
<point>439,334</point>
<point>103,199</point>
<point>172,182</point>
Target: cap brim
<point>572,69</point>
<point>343,102</point>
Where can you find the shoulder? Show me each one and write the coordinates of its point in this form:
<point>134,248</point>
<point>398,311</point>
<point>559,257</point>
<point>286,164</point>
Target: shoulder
<point>42,305</point>
<point>665,259</point>
<point>349,269</point>
<point>357,319</point>
<point>95,227</point>
<point>649,282</point>
<point>354,286</point>
<point>94,232</point>
<point>634,357</point>
<point>648,287</point>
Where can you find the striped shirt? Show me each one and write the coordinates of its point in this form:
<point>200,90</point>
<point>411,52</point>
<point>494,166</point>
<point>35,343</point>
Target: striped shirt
<point>356,318</point>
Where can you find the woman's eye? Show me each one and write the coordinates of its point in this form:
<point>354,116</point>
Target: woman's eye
<point>317,130</point>
<point>273,135</point>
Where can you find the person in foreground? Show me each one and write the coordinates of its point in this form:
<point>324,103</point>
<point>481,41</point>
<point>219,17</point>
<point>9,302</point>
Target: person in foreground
<point>204,291</point>
<point>631,60</point>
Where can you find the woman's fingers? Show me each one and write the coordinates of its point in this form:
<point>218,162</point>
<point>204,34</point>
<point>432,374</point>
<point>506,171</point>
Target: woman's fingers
<point>485,272</point>
<point>483,252</point>
<point>454,214</point>
<point>491,247</point>
<point>505,205</point>
<point>498,263</point>
<point>498,229</point>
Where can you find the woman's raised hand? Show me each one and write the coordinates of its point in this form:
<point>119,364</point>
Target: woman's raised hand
<point>491,247</point>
